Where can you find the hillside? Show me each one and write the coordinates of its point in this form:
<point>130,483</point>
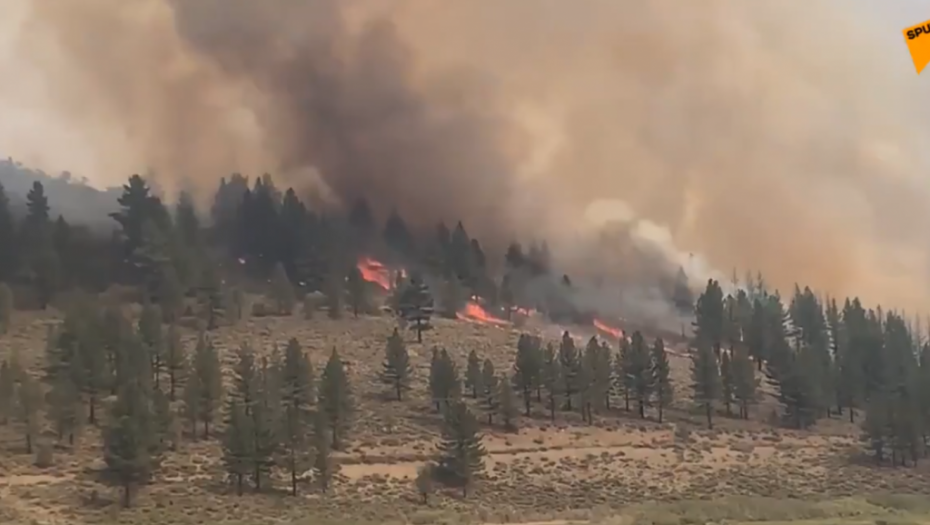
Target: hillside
<point>544,471</point>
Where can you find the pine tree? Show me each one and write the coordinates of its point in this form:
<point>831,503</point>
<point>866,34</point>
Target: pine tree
<point>552,379</point>
<point>151,335</point>
<point>237,444</point>
<point>640,372</point>
<point>6,302</point>
<point>709,324</point>
<point>603,375</point>
<point>282,291</point>
<point>7,392</point>
<point>587,394</point>
<point>623,378</point>
<point>203,390</point>
<point>424,482</point>
<point>453,296</point>
<point>745,383</point>
<point>473,374</point>
<point>264,424</point>
<point>334,290</point>
<point>444,383</point>
<point>705,377</point>
<point>324,466</point>
<point>29,403</point>
<point>175,360</point>
<point>397,370</point>
<point>490,390</point>
<point>664,393</point>
<point>527,368</point>
<point>170,295</point>
<point>245,378</point>
<point>507,405</point>
<point>570,366</point>
<point>357,291</point>
<point>297,398</point>
<point>64,406</point>
<point>128,440</point>
<point>727,382</point>
<point>336,399</point>
<point>165,426</point>
<point>416,306</point>
<point>461,454</point>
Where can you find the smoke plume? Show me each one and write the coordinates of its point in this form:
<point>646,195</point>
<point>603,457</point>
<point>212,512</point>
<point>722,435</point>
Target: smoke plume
<point>767,135</point>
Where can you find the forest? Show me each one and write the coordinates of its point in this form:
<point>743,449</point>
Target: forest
<point>128,373</point>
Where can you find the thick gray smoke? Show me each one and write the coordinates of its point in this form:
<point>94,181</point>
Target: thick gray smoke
<point>744,131</point>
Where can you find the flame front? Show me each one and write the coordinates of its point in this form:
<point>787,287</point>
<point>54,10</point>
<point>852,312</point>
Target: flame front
<point>474,312</point>
<point>607,329</point>
<point>374,272</point>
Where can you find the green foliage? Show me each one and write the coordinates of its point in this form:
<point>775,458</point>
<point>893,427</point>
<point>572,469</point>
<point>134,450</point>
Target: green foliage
<point>282,291</point>
<point>745,383</point>
<point>552,381</point>
<point>570,366</point>
<point>357,291</point>
<point>664,392</point>
<point>130,446</point>
<point>527,368</point>
<point>6,307</point>
<point>473,374</point>
<point>507,405</point>
<point>29,408</point>
<point>297,399</point>
<point>175,360</point>
<point>705,378</point>
<point>203,390</point>
<point>324,466</point>
<point>334,290</point>
<point>336,401</point>
<point>490,390</point>
<point>461,453</point>
<point>444,383</point>
<point>416,306</point>
<point>396,370</point>
<point>640,373</point>
<point>238,444</point>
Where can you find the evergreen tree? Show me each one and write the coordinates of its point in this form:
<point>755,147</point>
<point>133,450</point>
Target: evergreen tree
<point>203,390</point>
<point>705,377</point>
<point>170,295</point>
<point>570,366</point>
<point>336,400</point>
<point>709,324</point>
<point>245,379</point>
<point>64,406</point>
<point>664,393</point>
<point>297,401</point>
<point>727,382</point>
<point>623,378</point>
<point>151,335</point>
<point>527,368</point>
<point>128,441</point>
<point>357,289</point>
<point>6,300</point>
<point>603,375</point>
<point>461,454</point>
<point>165,426</point>
<point>454,296</point>
<point>282,291</point>
<point>416,306</point>
<point>397,370</point>
<point>552,379</point>
<point>334,290</point>
<point>794,376</point>
<point>8,253</point>
<point>490,390</point>
<point>7,392</point>
<point>473,375</point>
<point>507,405</point>
<point>745,383</point>
<point>640,372</point>
<point>324,466</point>
<point>264,424</point>
<point>237,444</point>
<point>175,360</point>
<point>444,383</point>
<point>29,404</point>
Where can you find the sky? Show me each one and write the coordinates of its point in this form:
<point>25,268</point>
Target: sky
<point>786,136</point>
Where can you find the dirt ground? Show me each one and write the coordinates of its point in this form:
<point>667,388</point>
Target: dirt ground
<point>565,471</point>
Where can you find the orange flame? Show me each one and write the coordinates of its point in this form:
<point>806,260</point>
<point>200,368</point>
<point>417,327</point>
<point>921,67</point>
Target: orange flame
<point>374,272</point>
<point>607,329</point>
<point>474,312</point>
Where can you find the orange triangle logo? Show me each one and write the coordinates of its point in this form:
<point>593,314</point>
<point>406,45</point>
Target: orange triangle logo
<point>917,39</point>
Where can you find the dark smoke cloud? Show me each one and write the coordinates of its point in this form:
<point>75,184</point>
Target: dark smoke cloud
<point>740,131</point>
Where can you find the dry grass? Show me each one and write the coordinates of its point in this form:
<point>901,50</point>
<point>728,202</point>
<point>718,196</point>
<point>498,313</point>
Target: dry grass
<point>742,471</point>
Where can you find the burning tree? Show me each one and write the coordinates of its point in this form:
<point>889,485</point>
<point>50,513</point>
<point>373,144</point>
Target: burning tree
<point>416,306</point>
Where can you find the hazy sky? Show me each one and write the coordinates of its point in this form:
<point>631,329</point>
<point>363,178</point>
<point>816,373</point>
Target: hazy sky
<point>787,136</point>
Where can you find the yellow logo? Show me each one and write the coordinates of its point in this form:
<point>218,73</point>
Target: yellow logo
<point>918,43</point>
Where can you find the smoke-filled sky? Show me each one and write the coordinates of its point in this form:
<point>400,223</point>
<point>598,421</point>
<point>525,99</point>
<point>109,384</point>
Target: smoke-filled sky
<point>786,137</point>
